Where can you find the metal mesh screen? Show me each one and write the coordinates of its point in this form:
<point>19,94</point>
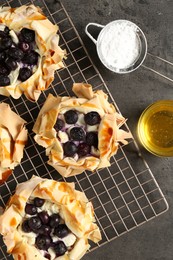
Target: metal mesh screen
<point>125,195</point>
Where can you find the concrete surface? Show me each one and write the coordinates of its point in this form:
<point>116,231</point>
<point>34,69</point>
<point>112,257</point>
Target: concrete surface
<point>153,240</point>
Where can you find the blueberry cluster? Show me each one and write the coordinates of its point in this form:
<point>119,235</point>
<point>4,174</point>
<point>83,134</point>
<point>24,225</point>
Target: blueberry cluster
<point>14,54</point>
<point>45,226</point>
<point>80,141</point>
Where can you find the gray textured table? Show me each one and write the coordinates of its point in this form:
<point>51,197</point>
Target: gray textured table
<point>153,240</point>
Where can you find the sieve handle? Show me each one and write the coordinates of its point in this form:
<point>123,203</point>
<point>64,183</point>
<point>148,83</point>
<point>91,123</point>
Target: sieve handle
<point>89,35</point>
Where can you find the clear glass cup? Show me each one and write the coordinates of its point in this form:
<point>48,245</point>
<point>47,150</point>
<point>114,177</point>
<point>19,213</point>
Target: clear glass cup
<point>155,128</point>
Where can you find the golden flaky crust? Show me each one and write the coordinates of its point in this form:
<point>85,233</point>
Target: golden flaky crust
<point>13,137</point>
<point>74,208</point>
<point>109,132</point>
<point>47,40</point>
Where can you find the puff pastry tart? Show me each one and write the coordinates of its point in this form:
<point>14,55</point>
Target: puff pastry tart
<point>46,219</point>
<point>79,133</point>
<point>13,137</point>
<point>29,52</point>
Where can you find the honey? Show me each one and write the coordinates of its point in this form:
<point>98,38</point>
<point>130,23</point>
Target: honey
<point>155,128</point>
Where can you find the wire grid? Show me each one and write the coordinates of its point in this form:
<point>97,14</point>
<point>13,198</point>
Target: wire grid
<point>125,195</point>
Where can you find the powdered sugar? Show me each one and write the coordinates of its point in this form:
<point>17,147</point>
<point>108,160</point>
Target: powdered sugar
<point>119,44</point>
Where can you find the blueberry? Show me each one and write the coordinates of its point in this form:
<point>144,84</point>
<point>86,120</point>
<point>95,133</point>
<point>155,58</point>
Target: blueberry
<point>59,124</point>
<point>69,148</point>
<point>4,70</point>
<point>2,56</point>
<point>28,35</point>
<point>54,220</point>
<point>77,134</point>
<point>25,226</point>
<point>15,53</point>
<point>71,117</point>
<point>6,30</point>
<point>24,46</point>
<point>92,139</point>
<point>60,248</point>
<point>2,34</point>
<point>38,202</point>
<point>30,209</point>
<point>34,223</point>
<point>92,118</point>
<point>4,81</point>
<point>24,74</point>
<point>43,242</point>
<point>11,64</point>
<point>61,231</point>
<point>83,149</point>
<point>47,255</point>
<point>44,229</point>
<point>43,215</point>
<point>5,43</point>
<point>30,58</point>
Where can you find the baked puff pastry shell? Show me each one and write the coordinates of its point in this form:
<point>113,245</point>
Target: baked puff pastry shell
<point>109,132</point>
<point>47,41</point>
<point>13,137</point>
<point>74,208</point>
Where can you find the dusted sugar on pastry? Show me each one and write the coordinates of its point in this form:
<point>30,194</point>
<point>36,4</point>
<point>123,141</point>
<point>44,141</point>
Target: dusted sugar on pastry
<point>46,219</point>
<point>79,133</point>
<point>29,52</point>
<point>13,137</point>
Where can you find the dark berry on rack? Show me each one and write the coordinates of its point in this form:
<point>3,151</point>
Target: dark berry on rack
<point>28,35</point>
<point>30,58</point>
<point>5,43</point>
<point>71,117</point>
<point>11,64</point>
<point>15,53</point>
<point>83,149</point>
<point>92,118</point>
<point>2,56</point>
<point>54,220</point>
<point>4,70</point>
<point>92,139</point>
<point>77,134</point>
<point>34,223</point>
<point>25,226</point>
<point>24,46</point>
<point>43,215</point>
<point>60,248</point>
<point>24,74</point>
<point>38,202</point>
<point>43,242</point>
<point>61,231</point>
<point>59,124</point>
<point>30,209</point>
<point>45,230</point>
<point>69,149</point>
<point>4,81</point>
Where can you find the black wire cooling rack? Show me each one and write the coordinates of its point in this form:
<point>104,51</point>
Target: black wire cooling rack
<point>125,195</point>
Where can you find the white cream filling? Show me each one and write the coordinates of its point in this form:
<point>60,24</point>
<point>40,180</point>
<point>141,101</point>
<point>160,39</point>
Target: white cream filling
<point>92,128</point>
<point>14,37</point>
<point>63,136</point>
<point>81,120</point>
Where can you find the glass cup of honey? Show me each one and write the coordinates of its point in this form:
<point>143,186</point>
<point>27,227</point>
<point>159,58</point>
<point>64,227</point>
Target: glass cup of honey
<point>155,128</point>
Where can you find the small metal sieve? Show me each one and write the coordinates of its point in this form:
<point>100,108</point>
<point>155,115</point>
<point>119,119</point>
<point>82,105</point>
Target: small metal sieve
<point>142,43</point>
